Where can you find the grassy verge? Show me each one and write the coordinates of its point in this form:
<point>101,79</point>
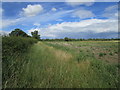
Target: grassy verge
<point>64,65</point>
<point>14,51</point>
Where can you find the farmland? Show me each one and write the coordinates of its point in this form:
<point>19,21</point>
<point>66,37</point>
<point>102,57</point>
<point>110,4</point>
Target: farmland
<point>62,64</point>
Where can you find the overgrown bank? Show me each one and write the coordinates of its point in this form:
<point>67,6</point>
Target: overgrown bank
<point>14,51</point>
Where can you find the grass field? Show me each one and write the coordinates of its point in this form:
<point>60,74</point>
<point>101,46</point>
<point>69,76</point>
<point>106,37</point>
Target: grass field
<point>76,64</point>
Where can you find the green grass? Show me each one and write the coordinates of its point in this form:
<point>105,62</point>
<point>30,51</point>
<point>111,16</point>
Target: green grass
<point>66,65</point>
<point>14,51</point>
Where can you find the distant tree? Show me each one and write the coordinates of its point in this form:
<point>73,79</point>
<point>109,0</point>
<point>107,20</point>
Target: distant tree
<point>35,35</point>
<point>18,32</point>
<point>66,39</point>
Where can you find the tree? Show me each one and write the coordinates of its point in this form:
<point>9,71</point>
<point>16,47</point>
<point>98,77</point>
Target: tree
<point>35,35</point>
<point>66,39</point>
<point>18,32</point>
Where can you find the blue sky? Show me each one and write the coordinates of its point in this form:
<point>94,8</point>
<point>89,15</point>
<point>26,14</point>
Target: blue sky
<point>62,19</point>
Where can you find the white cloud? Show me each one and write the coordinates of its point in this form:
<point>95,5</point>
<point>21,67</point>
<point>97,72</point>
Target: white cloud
<point>59,20</point>
<point>83,14</point>
<point>111,8</point>
<point>32,30</point>
<point>111,12</point>
<point>36,24</point>
<point>8,22</point>
<point>80,2</point>
<point>30,20</point>
<point>32,10</point>
<point>86,26</point>
<point>4,33</point>
<point>1,11</point>
<point>116,14</point>
<point>54,9</point>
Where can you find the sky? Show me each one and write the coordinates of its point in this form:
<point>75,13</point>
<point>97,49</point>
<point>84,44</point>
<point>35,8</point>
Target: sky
<point>62,19</point>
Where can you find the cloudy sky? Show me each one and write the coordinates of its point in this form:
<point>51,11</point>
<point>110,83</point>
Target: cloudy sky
<point>62,19</point>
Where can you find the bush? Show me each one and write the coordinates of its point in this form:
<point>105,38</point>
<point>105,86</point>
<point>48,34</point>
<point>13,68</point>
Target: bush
<point>110,53</point>
<point>66,39</point>
<point>16,44</point>
<point>102,54</point>
<point>13,50</point>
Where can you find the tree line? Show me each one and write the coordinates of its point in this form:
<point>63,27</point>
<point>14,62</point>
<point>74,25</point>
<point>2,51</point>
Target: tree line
<point>81,39</point>
<point>21,33</point>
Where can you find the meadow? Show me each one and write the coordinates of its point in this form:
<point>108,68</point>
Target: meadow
<point>63,64</point>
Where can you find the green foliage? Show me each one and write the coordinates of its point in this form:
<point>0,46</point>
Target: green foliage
<point>35,35</point>
<point>13,50</point>
<point>62,65</point>
<point>111,53</point>
<point>102,54</point>
<point>18,32</point>
<point>66,39</point>
<point>81,39</point>
<point>16,44</point>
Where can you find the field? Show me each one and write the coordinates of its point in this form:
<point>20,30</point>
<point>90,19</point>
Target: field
<point>62,64</point>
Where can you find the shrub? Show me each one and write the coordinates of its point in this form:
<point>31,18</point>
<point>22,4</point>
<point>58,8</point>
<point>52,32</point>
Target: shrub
<point>110,54</point>
<point>102,54</point>
<point>66,39</point>
<point>13,49</point>
<point>16,44</point>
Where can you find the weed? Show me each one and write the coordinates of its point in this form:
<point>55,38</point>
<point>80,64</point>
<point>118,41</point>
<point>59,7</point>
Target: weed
<point>102,54</point>
<point>111,53</point>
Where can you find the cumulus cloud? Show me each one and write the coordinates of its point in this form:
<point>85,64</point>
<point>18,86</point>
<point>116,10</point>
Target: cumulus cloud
<point>86,26</point>
<point>32,10</point>
<point>80,2</point>
<point>83,14</point>
<point>54,9</point>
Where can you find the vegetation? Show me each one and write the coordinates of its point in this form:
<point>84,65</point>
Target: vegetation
<point>66,39</point>
<point>35,35</point>
<point>18,33</point>
<point>70,39</point>
<point>28,63</point>
<point>65,64</point>
<point>14,48</point>
<point>102,54</point>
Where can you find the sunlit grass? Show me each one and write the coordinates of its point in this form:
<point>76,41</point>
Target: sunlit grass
<point>66,65</point>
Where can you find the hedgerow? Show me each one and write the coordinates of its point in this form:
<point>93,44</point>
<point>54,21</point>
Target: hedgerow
<point>13,50</point>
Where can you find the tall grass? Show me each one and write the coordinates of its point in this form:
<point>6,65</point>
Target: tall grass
<point>94,72</point>
<point>13,53</point>
<point>61,65</point>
